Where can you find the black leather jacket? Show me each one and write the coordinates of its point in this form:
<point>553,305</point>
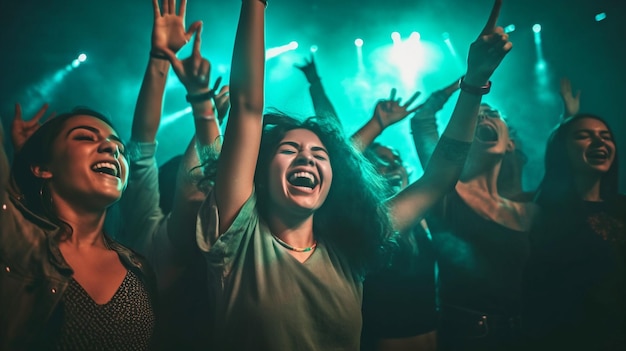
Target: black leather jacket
<point>34,276</point>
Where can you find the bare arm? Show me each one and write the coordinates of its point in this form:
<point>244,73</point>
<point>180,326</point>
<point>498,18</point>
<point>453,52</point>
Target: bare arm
<point>386,113</point>
<point>235,174</point>
<point>168,36</point>
<point>447,161</point>
<point>321,103</point>
<point>571,102</point>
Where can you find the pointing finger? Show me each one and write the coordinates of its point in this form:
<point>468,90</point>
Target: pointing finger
<point>493,18</point>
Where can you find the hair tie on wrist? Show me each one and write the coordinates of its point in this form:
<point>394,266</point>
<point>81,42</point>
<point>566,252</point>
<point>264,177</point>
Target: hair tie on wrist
<point>474,90</point>
<point>158,56</point>
<point>192,98</point>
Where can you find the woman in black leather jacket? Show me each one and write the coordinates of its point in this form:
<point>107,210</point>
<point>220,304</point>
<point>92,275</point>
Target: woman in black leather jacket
<point>64,284</point>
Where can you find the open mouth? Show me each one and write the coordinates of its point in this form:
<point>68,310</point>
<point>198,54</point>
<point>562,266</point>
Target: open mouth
<point>303,179</point>
<point>106,168</point>
<point>486,133</point>
<point>597,155</point>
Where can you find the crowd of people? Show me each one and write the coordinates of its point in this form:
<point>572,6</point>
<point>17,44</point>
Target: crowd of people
<point>271,232</point>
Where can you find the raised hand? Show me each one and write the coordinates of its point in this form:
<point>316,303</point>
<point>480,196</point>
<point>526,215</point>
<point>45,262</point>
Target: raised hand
<point>571,102</point>
<point>21,130</point>
<point>222,102</point>
<point>309,69</point>
<point>488,50</point>
<point>194,71</point>
<point>168,32</point>
<point>388,112</point>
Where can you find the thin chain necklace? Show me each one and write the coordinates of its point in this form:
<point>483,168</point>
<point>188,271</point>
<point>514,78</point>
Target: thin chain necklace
<point>296,249</point>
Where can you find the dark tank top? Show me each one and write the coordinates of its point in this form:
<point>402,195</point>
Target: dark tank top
<point>480,262</point>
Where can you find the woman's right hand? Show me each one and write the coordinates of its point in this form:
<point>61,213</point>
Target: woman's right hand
<point>168,32</point>
<point>487,51</point>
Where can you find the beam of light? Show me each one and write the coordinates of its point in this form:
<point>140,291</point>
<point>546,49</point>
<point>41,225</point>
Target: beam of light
<point>542,75</point>
<point>509,29</point>
<point>600,16</point>
<point>448,42</point>
<point>460,63</point>
<point>42,91</point>
<point>358,43</point>
<point>172,117</point>
<point>395,37</point>
<point>276,51</point>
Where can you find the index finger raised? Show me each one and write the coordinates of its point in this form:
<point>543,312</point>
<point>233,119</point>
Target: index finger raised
<point>493,18</point>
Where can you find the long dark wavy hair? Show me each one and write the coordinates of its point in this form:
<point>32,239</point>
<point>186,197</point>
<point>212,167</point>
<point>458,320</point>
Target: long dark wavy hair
<point>354,219</point>
<point>557,189</point>
<point>37,151</point>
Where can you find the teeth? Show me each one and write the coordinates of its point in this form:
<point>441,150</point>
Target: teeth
<point>303,179</point>
<point>302,175</point>
<point>105,167</point>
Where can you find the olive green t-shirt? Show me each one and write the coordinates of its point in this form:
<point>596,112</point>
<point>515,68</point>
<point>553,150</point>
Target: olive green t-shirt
<point>266,299</point>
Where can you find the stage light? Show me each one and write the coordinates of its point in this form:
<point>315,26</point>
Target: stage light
<point>395,36</point>
<point>537,28</point>
<point>600,16</point>
<point>75,63</point>
<point>82,58</point>
<point>313,48</point>
<point>415,36</point>
<point>358,42</point>
<point>275,51</point>
<point>509,29</point>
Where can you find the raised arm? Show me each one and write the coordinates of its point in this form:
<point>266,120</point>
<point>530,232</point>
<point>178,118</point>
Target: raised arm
<point>321,103</point>
<point>235,174</point>
<point>424,123</point>
<point>386,113</point>
<point>194,73</point>
<point>168,36</point>
<point>21,129</point>
<point>571,102</point>
<point>141,213</point>
<point>448,159</point>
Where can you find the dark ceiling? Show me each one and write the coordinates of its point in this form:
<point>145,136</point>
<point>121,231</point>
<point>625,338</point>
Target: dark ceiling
<point>40,37</point>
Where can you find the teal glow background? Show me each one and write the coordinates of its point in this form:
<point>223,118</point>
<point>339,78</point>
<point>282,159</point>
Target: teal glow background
<point>40,38</point>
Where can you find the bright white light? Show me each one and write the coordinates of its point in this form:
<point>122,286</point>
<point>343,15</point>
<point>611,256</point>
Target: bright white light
<point>415,36</point>
<point>509,29</point>
<point>82,58</point>
<point>75,63</point>
<point>275,51</point>
<point>395,36</point>
<point>537,28</point>
<point>358,42</point>
<point>313,48</point>
<point>600,16</point>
